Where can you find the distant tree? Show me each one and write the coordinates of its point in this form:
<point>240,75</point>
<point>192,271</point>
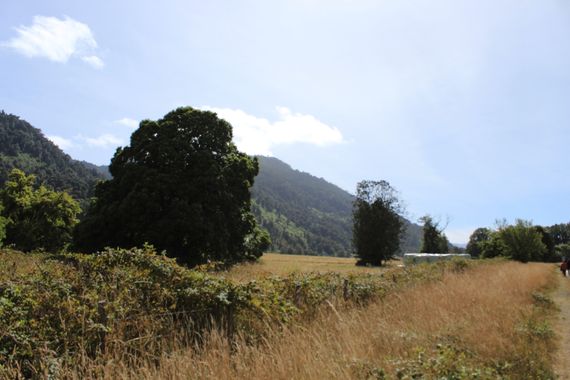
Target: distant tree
<point>560,233</point>
<point>36,218</point>
<point>433,240</point>
<point>522,241</point>
<point>378,223</point>
<point>548,241</point>
<point>476,240</point>
<point>181,185</point>
<point>493,247</point>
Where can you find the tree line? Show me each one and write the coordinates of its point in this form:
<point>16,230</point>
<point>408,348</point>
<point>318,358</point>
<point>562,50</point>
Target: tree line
<point>378,213</point>
<point>521,241</point>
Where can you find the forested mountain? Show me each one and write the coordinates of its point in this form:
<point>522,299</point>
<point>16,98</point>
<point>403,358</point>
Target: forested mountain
<point>306,214</point>
<point>25,147</point>
<point>303,213</point>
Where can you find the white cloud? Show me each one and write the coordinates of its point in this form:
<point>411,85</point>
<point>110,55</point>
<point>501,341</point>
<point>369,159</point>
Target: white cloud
<point>94,61</point>
<point>61,142</point>
<point>106,140</point>
<point>57,40</point>
<point>128,122</point>
<point>255,135</point>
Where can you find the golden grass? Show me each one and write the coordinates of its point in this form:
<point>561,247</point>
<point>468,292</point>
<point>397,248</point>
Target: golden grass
<point>481,314</point>
<point>281,265</point>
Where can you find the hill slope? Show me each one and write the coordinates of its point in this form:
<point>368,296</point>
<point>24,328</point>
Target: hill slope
<point>306,214</point>
<point>25,147</point>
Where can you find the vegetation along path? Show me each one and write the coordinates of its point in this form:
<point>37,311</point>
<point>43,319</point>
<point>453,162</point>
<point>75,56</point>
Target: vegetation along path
<point>562,299</point>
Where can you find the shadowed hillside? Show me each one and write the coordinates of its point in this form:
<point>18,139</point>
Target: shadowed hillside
<point>306,214</point>
<point>25,147</point>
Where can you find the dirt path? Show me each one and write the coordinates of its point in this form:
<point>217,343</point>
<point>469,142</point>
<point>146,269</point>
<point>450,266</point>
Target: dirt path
<point>562,298</point>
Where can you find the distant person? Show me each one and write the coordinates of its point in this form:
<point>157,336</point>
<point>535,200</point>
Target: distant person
<point>564,267</point>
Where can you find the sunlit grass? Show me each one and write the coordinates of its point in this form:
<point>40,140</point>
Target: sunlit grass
<point>271,264</point>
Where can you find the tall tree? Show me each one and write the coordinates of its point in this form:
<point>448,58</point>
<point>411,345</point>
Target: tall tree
<point>37,218</point>
<point>523,242</point>
<point>476,241</point>
<point>181,185</point>
<point>434,240</point>
<point>378,222</point>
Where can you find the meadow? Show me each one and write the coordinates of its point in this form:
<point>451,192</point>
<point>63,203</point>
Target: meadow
<point>276,264</point>
<point>132,314</point>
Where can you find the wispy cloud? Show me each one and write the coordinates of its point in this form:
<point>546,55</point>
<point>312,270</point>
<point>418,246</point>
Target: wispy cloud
<point>61,142</point>
<point>128,122</point>
<point>103,141</point>
<point>106,140</point>
<point>57,40</point>
<point>255,135</point>
<point>94,61</point>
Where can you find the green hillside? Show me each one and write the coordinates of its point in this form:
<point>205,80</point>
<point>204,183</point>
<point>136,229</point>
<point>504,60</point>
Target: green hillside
<point>306,214</point>
<point>25,147</point>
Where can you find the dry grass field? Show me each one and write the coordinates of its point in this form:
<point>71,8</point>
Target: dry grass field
<point>489,322</point>
<point>271,264</point>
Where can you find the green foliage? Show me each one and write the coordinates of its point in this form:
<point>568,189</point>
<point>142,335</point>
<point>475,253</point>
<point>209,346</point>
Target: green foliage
<point>560,233</point>
<point>433,240</point>
<point>563,250</point>
<point>182,186</point>
<point>36,218</point>
<point>549,254</point>
<point>378,224</point>
<point>3,223</point>
<point>522,241</point>
<point>26,148</point>
<point>444,362</point>
<point>476,241</point>
<point>493,247</point>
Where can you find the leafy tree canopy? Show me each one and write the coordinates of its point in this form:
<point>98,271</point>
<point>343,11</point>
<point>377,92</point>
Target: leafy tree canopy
<point>523,242</point>
<point>476,241</point>
<point>182,186</point>
<point>378,222</point>
<point>434,240</point>
<point>36,218</point>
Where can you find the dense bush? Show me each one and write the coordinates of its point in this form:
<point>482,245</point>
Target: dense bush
<point>36,217</point>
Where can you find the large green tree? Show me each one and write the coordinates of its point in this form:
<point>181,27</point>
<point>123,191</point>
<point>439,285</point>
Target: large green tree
<point>378,222</point>
<point>181,185</point>
<point>477,240</point>
<point>522,241</point>
<point>433,240</point>
<point>36,217</point>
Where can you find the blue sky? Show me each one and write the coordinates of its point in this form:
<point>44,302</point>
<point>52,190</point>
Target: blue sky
<point>463,106</point>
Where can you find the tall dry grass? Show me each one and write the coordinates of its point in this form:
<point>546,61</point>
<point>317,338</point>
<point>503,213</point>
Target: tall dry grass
<point>483,323</point>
